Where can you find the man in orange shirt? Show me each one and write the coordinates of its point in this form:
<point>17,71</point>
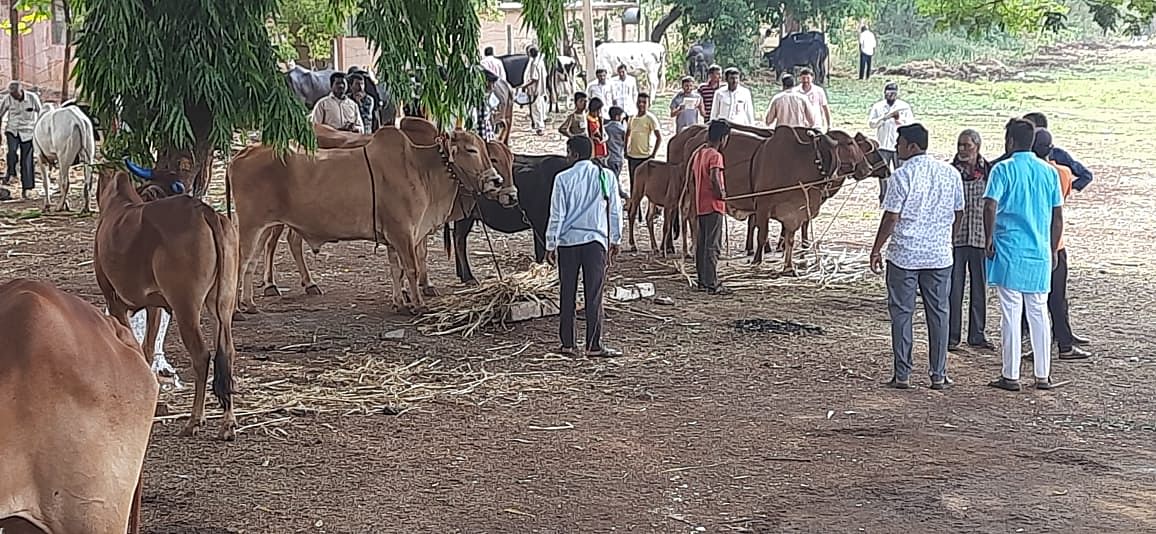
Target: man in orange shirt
<point>710,190</point>
<point>1058,297</point>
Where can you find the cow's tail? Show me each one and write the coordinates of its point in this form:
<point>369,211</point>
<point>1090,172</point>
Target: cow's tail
<point>228,270</point>
<point>229,190</point>
<point>447,240</point>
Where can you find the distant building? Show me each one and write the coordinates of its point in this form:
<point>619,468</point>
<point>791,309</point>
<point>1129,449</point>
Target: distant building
<point>40,53</point>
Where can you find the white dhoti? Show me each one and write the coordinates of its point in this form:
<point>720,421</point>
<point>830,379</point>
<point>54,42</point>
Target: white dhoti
<point>1013,306</point>
<point>539,108</point>
<point>161,366</point>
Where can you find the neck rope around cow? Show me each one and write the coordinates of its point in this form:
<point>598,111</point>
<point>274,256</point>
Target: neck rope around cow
<point>830,176</point>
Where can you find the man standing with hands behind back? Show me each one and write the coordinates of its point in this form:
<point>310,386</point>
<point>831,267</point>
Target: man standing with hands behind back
<point>922,210</point>
<point>1023,220</point>
<point>584,234</point>
<point>886,117</point>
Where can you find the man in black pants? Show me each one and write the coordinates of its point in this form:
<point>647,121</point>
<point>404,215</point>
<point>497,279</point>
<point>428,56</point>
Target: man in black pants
<point>22,109</point>
<point>707,166</point>
<point>584,234</point>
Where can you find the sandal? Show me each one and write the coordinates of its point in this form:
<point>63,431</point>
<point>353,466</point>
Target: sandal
<point>1005,384</point>
<point>567,351</point>
<point>895,383</point>
<point>605,352</point>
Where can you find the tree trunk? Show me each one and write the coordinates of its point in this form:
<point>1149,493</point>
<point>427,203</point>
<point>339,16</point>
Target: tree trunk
<point>67,50</point>
<point>192,166</point>
<point>14,31</point>
<point>660,28</point>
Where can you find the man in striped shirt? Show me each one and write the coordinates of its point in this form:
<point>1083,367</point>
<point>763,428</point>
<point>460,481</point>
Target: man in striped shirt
<point>708,89</point>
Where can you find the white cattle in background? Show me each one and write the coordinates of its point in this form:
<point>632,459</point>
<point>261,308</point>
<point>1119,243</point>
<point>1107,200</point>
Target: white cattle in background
<point>62,138</point>
<point>644,60</point>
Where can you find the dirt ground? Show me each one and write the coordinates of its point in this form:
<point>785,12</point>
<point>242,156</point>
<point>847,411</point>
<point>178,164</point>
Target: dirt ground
<point>699,428</point>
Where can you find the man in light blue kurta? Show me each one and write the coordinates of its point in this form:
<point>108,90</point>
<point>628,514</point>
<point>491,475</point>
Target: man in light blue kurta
<point>1023,221</point>
<point>584,233</point>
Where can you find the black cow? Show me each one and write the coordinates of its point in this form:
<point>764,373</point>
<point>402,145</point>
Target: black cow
<point>534,176</point>
<point>807,49</point>
<point>558,82</point>
<point>311,85</point>
<point>699,59</point>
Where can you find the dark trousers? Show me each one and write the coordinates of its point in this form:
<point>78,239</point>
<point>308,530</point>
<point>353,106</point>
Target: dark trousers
<point>707,246</point>
<point>590,258</point>
<point>935,286</point>
<point>891,158</point>
<point>1058,305</point>
<point>864,66</point>
<point>632,164</point>
<point>969,265</point>
<point>24,159</point>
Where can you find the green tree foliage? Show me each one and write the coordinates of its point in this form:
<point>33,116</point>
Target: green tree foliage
<point>31,12</point>
<point>437,41</point>
<point>304,29</point>
<point>185,77</point>
<point>1029,16</point>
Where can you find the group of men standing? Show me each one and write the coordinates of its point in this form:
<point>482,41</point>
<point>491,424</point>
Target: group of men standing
<point>1003,223</point>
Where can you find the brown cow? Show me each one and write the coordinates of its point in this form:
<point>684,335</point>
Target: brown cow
<point>333,196</point>
<point>77,413</point>
<point>419,131</point>
<point>178,254</point>
<point>803,167</point>
<point>652,180</point>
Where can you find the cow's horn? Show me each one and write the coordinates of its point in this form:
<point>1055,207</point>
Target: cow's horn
<point>138,171</point>
<point>458,123</point>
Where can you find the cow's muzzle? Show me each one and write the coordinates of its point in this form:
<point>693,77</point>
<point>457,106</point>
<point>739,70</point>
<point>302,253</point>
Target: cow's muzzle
<point>491,184</point>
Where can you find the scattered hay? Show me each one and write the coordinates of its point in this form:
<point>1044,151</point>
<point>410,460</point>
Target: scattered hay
<point>465,311</point>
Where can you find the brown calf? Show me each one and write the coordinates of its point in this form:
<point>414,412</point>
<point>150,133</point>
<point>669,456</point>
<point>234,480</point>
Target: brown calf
<point>178,254</point>
<point>77,410</point>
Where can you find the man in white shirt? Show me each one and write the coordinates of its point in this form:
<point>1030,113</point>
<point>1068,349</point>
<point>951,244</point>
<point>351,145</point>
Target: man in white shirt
<point>922,211</point>
<point>336,109</point>
<point>790,108</point>
<point>600,89</point>
<point>624,92</point>
<point>886,117</point>
<point>817,97</point>
<point>534,85</point>
<point>866,52</point>
<point>733,102</point>
<point>22,109</point>
<point>493,64</point>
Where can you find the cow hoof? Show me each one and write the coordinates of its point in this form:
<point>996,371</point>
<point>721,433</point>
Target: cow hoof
<point>228,432</point>
<point>191,429</point>
<point>632,250</point>
<point>271,291</point>
<point>418,311</point>
<point>313,290</point>
<point>472,282</point>
<point>430,291</point>
<point>789,272</point>
<point>239,317</point>
<point>162,410</point>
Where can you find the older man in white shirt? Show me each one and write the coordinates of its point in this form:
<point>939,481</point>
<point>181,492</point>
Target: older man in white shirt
<point>22,109</point>
<point>733,102</point>
<point>624,92</point>
<point>886,117</point>
<point>493,64</point>
<point>600,89</point>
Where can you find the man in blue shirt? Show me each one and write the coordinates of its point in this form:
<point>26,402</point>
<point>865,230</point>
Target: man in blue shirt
<point>1023,222</point>
<point>1058,155</point>
<point>584,234</point>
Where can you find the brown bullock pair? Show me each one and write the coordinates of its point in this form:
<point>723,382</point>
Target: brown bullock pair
<point>393,190</point>
<point>785,177</point>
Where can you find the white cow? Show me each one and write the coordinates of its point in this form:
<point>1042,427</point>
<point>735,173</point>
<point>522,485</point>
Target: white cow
<point>644,60</point>
<point>63,138</point>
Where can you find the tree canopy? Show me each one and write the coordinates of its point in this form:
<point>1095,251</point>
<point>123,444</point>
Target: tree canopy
<point>185,77</point>
<point>438,43</point>
<point>304,29</point>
